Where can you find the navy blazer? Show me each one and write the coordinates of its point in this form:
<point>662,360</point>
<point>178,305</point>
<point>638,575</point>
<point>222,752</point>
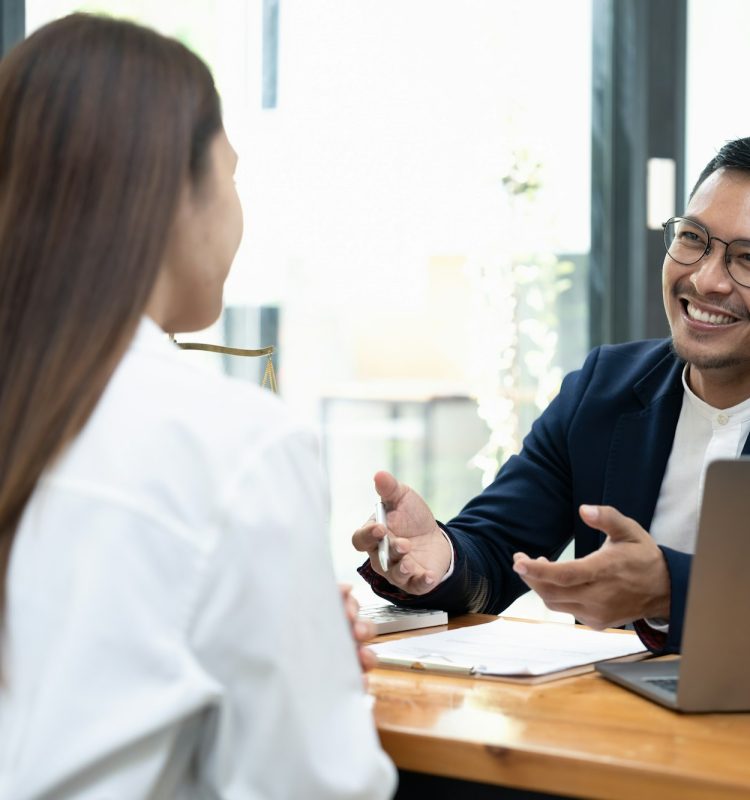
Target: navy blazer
<point>604,440</point>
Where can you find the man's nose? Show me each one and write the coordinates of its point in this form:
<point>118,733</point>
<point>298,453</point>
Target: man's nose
<point>710,275</point>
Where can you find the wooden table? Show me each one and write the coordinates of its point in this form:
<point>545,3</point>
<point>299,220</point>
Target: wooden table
<point>581,736</point>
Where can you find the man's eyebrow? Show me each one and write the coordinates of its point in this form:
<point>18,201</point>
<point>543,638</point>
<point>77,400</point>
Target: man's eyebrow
<point>699,221</point>
<point>691,218</point>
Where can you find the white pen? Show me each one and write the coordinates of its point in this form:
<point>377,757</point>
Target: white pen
<point>383,543</point>
<point>426,664</point>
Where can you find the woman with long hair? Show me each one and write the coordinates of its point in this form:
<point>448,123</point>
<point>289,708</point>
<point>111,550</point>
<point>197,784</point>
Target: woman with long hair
<point>171,627</point>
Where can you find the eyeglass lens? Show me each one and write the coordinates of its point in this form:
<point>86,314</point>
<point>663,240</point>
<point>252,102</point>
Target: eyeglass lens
<point>687,243</point>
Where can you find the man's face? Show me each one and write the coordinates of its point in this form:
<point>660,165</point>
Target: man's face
<point>708,313</point>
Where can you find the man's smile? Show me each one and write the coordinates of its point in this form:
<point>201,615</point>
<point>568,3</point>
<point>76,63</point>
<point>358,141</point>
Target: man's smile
<point>707,316</point>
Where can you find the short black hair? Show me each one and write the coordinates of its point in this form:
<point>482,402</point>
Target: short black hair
<point>733,155</point>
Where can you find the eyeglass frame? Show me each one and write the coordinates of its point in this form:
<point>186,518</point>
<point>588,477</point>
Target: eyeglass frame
<point>706,249</point>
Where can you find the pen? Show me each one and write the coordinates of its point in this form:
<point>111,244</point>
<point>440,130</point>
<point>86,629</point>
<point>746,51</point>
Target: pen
<point>412,663</point>
<point>383,543</point>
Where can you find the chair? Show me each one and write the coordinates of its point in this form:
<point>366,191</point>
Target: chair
<point>269,375</point>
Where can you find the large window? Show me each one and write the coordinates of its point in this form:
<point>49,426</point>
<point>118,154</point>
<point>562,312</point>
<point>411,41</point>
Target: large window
<point>417,221</point>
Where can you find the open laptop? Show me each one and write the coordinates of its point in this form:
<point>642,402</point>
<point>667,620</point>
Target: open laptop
<point>713,672</point>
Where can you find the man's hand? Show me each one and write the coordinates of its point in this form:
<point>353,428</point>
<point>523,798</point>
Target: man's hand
<point>626,579</point>
<point>362,630</point>
<point>420,554</point>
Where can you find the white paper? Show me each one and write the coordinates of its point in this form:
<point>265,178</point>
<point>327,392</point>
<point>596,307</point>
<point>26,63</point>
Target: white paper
<point>507,647</point>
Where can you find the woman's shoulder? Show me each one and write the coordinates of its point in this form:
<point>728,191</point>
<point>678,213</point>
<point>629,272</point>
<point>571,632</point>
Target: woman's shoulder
<point>176,389</point>
<point>182,434</point>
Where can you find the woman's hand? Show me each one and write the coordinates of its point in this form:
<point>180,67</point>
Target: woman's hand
<point>362,630</point>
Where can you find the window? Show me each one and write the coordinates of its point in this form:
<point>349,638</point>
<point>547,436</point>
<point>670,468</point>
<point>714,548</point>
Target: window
<point>417,210</point>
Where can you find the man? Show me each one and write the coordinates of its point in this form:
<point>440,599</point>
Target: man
<point>617,460</point>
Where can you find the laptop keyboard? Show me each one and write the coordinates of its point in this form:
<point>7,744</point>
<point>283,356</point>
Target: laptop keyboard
<point>667,684</point>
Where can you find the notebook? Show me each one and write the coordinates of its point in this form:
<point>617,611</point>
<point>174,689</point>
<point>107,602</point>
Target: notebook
<point>713,671</point>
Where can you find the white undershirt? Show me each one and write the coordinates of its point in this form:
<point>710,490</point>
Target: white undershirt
<point>704,434</point>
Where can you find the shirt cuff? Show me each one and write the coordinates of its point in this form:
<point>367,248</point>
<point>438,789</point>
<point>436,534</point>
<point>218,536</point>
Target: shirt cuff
<point>453,559</point>
<point>658,624</point>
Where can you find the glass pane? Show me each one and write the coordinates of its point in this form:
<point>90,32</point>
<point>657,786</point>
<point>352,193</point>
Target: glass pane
<point>417,214</point>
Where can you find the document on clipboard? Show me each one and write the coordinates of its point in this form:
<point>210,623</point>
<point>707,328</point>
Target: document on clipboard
<point>523,652</point>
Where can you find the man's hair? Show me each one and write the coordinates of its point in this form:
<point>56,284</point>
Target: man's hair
<point>102,124</point>
<point>733,155</point>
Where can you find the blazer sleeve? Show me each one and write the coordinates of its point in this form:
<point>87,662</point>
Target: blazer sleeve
<point>528,507</point>
<point>679,565</point>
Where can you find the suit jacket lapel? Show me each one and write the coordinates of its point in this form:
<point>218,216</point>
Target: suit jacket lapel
<point>642,442</point>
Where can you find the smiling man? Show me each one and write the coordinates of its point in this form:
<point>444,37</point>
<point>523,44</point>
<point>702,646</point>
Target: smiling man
<point>616,462</point>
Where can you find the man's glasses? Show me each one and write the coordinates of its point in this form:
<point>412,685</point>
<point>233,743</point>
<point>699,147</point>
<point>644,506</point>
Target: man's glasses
<point>687,242</point>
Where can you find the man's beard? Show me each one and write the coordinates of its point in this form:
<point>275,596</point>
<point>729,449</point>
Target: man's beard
<point>683,289</point>
<point>718,361</point>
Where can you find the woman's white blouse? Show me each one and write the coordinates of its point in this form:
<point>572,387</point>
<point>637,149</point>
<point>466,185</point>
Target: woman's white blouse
<point>174,629</point>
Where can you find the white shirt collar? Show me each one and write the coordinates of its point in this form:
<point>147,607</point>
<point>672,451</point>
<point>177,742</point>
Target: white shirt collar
<point>149,336</point>
<point>735,415</point>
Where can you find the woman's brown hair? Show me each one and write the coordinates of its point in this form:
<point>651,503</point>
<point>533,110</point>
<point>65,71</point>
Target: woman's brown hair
<point>101,124</point>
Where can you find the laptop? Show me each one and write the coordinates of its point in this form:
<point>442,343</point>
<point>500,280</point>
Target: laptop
<point>713,671</point>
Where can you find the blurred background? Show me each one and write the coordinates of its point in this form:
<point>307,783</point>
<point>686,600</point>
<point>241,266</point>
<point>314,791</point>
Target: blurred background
<point>447,204</point>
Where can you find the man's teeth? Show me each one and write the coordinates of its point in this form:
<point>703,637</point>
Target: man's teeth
<point>703,316</point>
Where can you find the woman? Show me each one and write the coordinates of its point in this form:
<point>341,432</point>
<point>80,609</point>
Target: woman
<point>172,628</point>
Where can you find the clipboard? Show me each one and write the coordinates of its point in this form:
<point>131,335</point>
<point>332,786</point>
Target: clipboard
<point>514,651</point>
<point>528,680</point>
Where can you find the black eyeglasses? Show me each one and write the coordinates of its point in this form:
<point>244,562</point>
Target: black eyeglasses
<point>687,243</point>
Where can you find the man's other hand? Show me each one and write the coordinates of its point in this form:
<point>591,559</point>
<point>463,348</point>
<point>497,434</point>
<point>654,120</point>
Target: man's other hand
<point>626,579</point>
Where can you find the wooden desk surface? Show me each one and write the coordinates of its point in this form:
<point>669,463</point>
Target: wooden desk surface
<point>580,736</point>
